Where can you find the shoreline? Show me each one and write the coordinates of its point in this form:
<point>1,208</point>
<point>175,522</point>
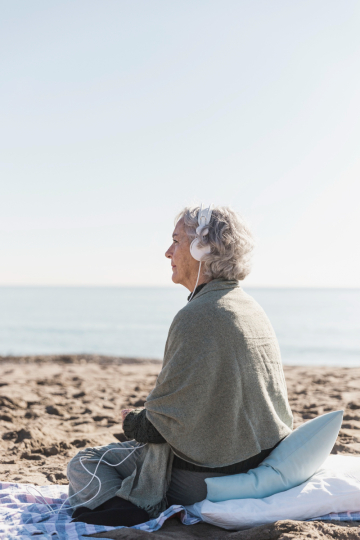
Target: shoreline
<point>77,359</point>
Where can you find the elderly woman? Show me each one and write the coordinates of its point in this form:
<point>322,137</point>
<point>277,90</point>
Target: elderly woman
<point>219,405</point>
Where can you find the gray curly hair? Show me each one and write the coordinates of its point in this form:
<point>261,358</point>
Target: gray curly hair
<point>230,239</point>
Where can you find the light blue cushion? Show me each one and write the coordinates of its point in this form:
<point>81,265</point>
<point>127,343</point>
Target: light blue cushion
<point>292,462</point>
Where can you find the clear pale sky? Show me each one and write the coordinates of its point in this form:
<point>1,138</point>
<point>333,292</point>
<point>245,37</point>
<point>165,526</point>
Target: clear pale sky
<point>115,114</point>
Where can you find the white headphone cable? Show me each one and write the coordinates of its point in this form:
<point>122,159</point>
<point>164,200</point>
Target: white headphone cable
<point>197,281</point>
<point>93,475</point>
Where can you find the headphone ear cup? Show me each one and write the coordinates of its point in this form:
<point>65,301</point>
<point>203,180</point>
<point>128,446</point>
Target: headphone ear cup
<point>195,252</point>
<point>198,252</point>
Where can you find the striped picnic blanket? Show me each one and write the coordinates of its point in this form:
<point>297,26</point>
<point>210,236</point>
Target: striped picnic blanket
<point>27,510</point>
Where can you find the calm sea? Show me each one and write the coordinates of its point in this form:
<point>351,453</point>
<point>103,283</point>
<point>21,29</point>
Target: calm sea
<point>314,326</point>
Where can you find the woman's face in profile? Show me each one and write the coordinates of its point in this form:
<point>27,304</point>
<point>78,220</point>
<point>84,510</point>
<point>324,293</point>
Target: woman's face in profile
<point>184,267</point>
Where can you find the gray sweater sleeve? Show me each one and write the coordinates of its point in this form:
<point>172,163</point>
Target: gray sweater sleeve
<point>137,426</point>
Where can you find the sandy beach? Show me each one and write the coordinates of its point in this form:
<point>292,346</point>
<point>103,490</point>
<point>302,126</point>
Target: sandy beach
<point>51,406</point>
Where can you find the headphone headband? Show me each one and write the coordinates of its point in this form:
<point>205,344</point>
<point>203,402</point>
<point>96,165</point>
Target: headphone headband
<point>204,217</point>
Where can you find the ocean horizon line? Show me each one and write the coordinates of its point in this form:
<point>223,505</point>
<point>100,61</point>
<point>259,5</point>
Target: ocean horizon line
<point>272,287</point>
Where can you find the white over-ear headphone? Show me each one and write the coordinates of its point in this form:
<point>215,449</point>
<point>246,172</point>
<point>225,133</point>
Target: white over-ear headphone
<point>204,216</point>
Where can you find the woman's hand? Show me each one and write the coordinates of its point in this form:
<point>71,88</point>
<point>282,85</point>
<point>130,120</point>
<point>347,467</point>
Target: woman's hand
<point>124,413</point>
